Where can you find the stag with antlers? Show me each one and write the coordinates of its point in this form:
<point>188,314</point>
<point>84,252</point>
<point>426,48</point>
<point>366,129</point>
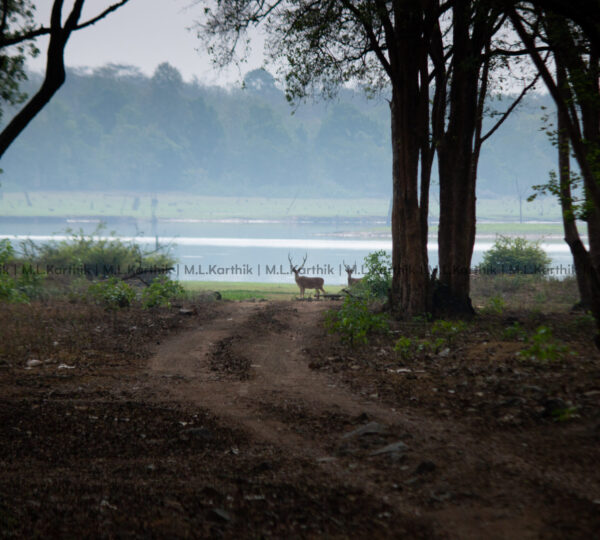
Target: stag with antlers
<point>304,282</point>
<point>349,271</point>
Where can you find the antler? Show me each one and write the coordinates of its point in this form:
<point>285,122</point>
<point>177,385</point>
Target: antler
<point>349,268</point>
<point>291,263</point>
<point>303,262</point>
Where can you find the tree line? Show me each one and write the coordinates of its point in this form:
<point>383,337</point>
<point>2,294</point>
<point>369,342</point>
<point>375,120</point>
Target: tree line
<point>115,128</point>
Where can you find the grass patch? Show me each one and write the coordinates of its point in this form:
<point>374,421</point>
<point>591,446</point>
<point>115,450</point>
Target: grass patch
<point>523,292</point>
<point>237,290</point>
<point>190,206</point>
<point>181,206</point>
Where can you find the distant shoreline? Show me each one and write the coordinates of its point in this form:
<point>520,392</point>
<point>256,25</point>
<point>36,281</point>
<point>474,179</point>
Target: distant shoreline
<point>189,207</point>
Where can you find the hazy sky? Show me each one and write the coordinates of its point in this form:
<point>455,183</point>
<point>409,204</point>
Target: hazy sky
<point>142,33</point>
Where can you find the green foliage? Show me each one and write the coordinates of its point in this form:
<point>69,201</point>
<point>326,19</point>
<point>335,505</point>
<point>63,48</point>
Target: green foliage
<point>514,256</point>
<point>543,347</point>
<point>405,347</point>
<point>18,283</point>
<point>575,208</point>
<point>18,20</point>
<point>378,276</point>
<point>354,321</point>
<point>7,252</point>
<point>448,330</point>
<point>93,255</point>
<point>515,332</point>
<point>564,414</point>
<point>112,293</point>
<point>495,304</point>
<point>161,292</point>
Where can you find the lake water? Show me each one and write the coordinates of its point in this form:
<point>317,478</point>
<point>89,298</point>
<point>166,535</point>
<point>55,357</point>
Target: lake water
<point>240,250</point>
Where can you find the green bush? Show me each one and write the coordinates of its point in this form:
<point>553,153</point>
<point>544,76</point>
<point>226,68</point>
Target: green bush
<point>448,330</point>
<point>112,293</point>
<point>18,283</point>
<point>93,255</point>
<point>514,256</point>
<point>515,332</point>
<point>377,280</point>
<point>495,304</point>
<point>354,321</point>
<point>160,293</point>
<point>543,347</point>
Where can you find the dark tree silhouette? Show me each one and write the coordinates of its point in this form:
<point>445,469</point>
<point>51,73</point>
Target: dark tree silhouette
<point>55,74</point>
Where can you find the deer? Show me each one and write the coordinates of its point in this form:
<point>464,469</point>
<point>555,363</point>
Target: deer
<point>349,271</point>
<point>304,282</point>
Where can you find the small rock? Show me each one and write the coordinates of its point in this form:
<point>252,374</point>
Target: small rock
<point>187,312</point>
<point>174,505</point>
<point>444,353</point>
<point>392,448</point>
<point>592,393</point>
<point>219,514</point>
<point>105,504</point>
<point>65,366</point>
<point>531,388</point>
<point>254,497</point>
<point>33,362</point>
<point>441,496</point>
<point>367,429</point>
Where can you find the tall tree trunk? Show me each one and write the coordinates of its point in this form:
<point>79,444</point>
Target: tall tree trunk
<point>581,257</point>
<point>410,280</point>
<point>456,163</point>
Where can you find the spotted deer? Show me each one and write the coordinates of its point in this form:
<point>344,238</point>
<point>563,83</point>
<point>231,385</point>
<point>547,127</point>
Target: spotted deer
<point>304,282</point>
<point>350,270</point>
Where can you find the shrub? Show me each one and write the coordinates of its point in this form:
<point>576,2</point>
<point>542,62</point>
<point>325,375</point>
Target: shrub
<point>448,330</point>
<point>24,284</point>
<point>112,293</point>
<point>543,347</point>
<point>514,256</point>
<point>378,278</point>
<point>495,304</point>
<point>406,347</point>
<point>354,321</point>
<point>160,292</point>
<point>93,254</point>
<point>514,332</point>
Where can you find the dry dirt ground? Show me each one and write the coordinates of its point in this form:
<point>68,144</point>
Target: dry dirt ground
<point>246,419</point>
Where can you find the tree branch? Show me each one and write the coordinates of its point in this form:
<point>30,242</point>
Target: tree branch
<point>506,113</point>
<point>45,30</point>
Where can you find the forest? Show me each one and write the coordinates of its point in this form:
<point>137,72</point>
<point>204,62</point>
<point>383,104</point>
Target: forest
<point>118,129</point>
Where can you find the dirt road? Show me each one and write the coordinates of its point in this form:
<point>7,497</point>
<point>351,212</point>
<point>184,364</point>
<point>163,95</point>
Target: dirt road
<point>251,421</point>
<point>250,367</point>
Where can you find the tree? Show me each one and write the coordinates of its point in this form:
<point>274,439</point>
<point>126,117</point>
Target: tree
<point>328,43</point>
<point>574,87</point>
<point>400,46</point>
<point>16,18</point>
<point>59,34</point>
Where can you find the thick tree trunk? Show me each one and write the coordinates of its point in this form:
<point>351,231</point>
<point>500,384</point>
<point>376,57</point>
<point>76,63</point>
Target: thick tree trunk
<point>410,281</point>
<point>457,165</point>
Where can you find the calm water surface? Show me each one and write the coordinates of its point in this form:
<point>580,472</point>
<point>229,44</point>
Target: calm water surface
<point>237,250</point>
